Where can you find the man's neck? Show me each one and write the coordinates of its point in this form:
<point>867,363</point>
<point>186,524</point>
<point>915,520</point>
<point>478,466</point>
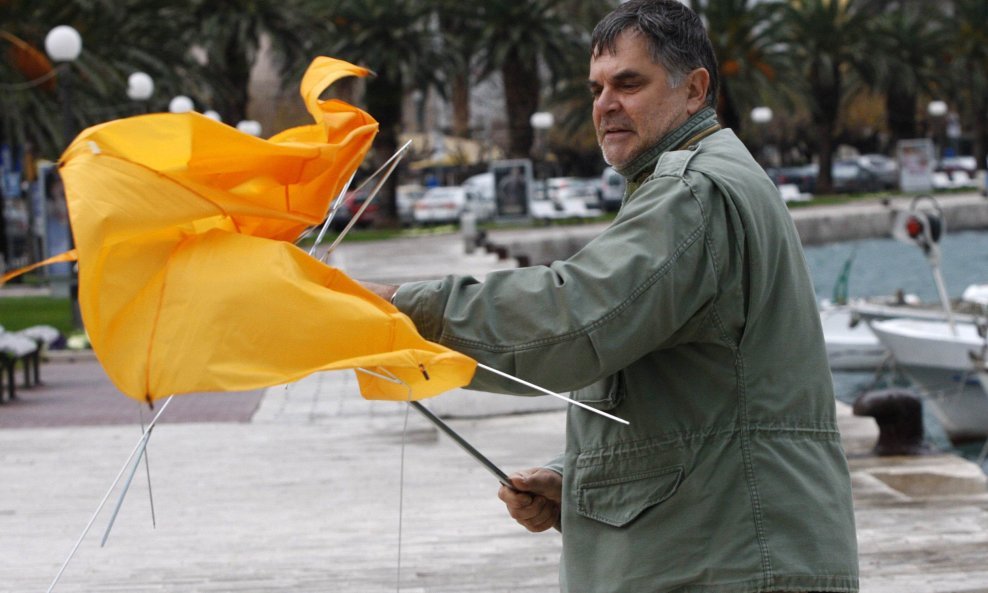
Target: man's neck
<point>698,126</point>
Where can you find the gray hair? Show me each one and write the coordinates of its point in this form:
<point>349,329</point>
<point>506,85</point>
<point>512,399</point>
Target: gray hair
<point>674,33</point>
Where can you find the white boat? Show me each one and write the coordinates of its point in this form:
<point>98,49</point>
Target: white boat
<point>878,308</point>
<point>943,363</point>
<point>851,346</point>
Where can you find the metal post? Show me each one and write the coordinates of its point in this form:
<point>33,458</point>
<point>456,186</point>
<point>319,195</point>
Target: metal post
<point>68,132</point>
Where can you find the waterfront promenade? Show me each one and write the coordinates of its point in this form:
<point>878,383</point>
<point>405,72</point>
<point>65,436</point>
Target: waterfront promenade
<point>310,488</point>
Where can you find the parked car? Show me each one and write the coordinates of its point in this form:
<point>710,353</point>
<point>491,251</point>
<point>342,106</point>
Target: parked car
<point>802,176</point>
<point>447,204</point>
<point>481,184</point>
<point>883,168</point>
<point>564,189</point>
<point>851,176</point>
<point>612,186</point>
<point>949,164</point>
<point>351,205</point>
<point>847,176</point>
<point>407,195</point>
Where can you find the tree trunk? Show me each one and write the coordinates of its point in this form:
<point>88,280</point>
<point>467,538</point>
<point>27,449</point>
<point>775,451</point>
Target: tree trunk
<point>727,110</point>
<point>233,106</point>
<point>828,92</point>
<point>980,131</point>
<point>384,104</point>
<point>521,96</point>
<point>460,96</point>
<point>825,139</point>
<point>900,109</point>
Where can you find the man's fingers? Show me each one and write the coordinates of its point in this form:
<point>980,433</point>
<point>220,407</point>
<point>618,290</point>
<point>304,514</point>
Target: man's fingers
<point>534,501</point>
<point>540,516</point>
<point>539,481</point>
<point>514,498</point>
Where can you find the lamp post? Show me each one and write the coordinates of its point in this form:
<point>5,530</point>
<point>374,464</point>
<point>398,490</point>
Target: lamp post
<point>937,110</point>
<point>541,121</point>
<point>63,44</point>
<point>249,126</point>
<point>761,116</point>
<point>140,87</point>
<point>180,104</point>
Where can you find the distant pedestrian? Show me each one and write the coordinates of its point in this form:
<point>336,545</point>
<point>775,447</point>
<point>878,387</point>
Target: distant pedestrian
<point>692,316</point>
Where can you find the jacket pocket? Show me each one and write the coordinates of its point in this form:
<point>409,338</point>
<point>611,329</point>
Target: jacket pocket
<point>604,394</point>
<point>619,500</point>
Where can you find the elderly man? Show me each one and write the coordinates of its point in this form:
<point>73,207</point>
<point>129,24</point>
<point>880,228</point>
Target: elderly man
<point>693,316</point>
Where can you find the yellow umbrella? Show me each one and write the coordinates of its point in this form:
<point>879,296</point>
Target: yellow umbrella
<point>188,280</point>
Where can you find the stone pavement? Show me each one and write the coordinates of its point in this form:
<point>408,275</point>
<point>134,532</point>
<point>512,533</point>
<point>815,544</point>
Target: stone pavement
<point>320,489</point>
<point>76,392</point>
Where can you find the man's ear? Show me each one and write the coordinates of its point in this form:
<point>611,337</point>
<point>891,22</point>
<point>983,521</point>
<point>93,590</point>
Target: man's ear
<point>697,83</point>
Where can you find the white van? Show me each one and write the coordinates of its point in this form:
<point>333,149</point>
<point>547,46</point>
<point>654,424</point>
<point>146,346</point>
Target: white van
<point>612,186</point>
<point>482,186</point>
<point>406,195</point>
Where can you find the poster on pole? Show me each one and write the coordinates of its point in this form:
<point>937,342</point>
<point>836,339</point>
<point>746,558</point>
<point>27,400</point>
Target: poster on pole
<point>512,187</point>
<point>916,163</point>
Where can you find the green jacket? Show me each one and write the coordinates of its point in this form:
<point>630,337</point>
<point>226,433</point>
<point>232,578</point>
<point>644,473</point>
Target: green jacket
<point>692,316</point>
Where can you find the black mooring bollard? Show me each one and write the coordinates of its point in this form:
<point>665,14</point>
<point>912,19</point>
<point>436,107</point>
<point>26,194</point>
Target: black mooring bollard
<point>899,415</point>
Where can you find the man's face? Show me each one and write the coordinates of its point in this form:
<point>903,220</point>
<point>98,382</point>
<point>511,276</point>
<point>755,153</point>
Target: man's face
<point>634,106</point>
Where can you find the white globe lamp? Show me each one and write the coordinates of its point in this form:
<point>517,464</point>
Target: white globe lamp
<point>63,44</point>
<point>140,86</point>
<point>180,104</point>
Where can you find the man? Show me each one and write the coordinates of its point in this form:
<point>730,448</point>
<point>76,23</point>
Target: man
<point>693,317</point>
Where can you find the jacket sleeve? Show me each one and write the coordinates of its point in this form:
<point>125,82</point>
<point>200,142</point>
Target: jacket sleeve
<point>637,287</point>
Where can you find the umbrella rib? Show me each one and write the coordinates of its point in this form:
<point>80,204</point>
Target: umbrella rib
<point>125,489</point>
<point>147,471</point>
<point>140,443</point>
<point>332,213</point>
<point>552,393</point>
<point>391,164</point>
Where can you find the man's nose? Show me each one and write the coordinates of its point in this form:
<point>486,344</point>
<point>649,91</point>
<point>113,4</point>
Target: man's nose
<point>606,102</point>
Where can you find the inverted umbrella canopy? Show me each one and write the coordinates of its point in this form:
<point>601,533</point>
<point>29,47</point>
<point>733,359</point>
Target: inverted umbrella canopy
<point>188,280</point>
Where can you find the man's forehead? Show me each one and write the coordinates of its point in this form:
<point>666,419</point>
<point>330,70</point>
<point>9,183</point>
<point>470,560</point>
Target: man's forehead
<point>628,50</point>
<point>623,65</point>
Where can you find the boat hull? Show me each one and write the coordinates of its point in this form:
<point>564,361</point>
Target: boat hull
<point>941,365</point>
<point>850,346</point>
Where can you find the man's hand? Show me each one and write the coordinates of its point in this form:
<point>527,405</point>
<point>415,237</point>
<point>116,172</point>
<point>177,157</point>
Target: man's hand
<point>536,498</point>
<point>385,291</point>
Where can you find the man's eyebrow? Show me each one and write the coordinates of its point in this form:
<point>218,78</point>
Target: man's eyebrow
<point>621,77</point>
<point>627,75</point>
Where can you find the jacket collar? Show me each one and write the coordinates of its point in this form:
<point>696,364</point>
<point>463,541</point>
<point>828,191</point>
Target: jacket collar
<point>700,125</point>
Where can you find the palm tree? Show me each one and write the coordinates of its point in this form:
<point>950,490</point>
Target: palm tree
<point>744,34</point>
<point>968,53</point>
<point>118,39</point>
<point>395,39</point>
<point>518,40</point>
<point>827,40</point>
<point>909,44</point>
<point>229,34</point>
<point>459,37</point>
